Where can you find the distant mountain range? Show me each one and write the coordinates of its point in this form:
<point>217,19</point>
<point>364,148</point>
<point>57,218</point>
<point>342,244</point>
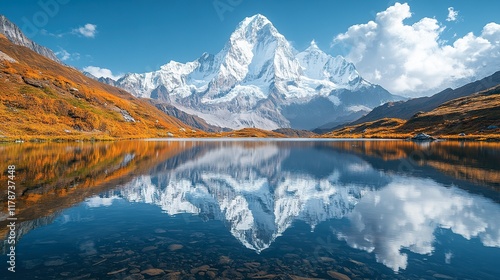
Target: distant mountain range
<point>476,116</point>
<point>406,109</point>
<point>259,80</point>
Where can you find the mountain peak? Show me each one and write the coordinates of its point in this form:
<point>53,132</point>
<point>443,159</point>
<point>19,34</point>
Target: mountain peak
<point>313,49</point>
<point>254,24</point>
<point>259,80</point>
<point>313,45</point>
<point>258,18</point>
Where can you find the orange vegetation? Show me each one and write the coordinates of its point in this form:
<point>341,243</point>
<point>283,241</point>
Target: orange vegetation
<point>475,115</point>
<point>383,128</point>
<point>42,99</point>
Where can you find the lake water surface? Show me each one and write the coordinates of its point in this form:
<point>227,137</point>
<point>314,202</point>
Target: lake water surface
<point>258,209</point>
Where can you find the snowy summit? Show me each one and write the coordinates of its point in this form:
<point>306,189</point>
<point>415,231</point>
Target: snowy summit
<point>259,80</point>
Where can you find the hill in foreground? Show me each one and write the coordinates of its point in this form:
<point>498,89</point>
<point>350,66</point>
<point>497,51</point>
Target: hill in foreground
<point>476,116</point>
<point>42,99</point>
<point>406,109</point>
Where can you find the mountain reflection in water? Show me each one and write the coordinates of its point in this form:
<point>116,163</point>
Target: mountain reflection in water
<point>392,196</point>
<point>260,190</point>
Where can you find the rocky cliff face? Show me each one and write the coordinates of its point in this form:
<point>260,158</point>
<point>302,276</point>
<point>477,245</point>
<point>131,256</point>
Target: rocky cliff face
<point>16,36</point>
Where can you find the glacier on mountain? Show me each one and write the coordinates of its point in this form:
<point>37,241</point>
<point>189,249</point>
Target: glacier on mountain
<point>259,80</point>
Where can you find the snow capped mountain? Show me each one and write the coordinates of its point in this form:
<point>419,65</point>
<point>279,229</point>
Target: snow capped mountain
<point>16,36</point>
<point>320,66</point>
<point>259,80</point>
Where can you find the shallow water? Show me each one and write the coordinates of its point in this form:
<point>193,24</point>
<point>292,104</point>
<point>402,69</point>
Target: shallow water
<point>255,209</point>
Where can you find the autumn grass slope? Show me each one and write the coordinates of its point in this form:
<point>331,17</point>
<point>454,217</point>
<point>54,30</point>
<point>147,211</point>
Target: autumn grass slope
<point>475,117</point>
<point>42,99</point>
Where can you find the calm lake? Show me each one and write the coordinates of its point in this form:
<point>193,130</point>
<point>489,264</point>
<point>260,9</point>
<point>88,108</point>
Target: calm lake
<point>259,209</point>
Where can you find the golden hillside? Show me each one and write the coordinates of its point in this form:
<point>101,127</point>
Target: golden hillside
<point>472,115</point>
<point>477,116</point>
<point>42,99</point>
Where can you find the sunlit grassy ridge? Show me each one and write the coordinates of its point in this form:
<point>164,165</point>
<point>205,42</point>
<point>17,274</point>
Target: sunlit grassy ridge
<point>477,116</point>
<point>471,115</point>
<point>42,99</point>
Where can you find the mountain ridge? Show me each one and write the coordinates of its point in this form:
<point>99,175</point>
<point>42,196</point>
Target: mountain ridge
<point>16,36</point>
<point>254,80</point>
<point>475,116</point>
<point>42,99</point>
<point>407,109</point>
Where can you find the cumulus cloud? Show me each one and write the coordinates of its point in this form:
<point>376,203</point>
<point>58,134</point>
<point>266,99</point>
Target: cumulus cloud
<point>64,55</point>
<point>452,14</point>
<point>47,33</point>
<point>414,60</point>
<point>89,30</point>
<point>101,72</point>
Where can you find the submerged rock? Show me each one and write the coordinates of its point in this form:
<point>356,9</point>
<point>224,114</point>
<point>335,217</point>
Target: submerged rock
<point>134,277</point>
<point>153,271</point>
<point>224,260</point>
<point>175,247</point>
<point>295,277</point>
<point>338,275</point>
<point>117,271</point>
<point>442,276</point>
<point>149,248</point>
<point>173,275</point>
<point>202,268</point>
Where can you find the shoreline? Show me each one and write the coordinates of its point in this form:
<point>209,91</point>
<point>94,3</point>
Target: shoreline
<point>34,139</point>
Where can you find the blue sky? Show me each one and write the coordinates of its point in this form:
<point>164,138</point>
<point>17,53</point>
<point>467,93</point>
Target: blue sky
<point>139,36</point>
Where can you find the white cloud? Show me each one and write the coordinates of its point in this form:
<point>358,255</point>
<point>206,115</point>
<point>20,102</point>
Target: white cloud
<point>414,60</point>
<point>101,72</point>
<point>47,33</point>
<point>88,30</point>
<point>64,55</point>
<point>452,14</point>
